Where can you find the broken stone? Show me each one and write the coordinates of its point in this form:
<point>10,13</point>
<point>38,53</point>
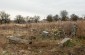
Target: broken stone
<point>45,33</point>
<point>64,40</point>
<point>6,53</point>
<point>16,40</point>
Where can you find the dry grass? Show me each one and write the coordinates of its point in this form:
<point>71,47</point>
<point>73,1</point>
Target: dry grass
<point>40,46</point>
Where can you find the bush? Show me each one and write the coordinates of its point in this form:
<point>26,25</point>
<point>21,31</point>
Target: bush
<point>74,17</point>
<point>49,18</point>
<point>19,19</point>
<point>58,33</point>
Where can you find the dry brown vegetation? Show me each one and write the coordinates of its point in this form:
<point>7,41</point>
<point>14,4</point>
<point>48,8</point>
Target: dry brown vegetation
<point>40,46</point>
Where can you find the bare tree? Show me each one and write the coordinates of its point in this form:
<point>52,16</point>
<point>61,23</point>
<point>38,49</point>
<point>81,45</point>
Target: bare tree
<point>74,17</point>
<point>49,18</point>
<point>36,18</point>
<point>56,18</point>
<point>64,14</point>
<point>4,17</point>
<point>19,19</point>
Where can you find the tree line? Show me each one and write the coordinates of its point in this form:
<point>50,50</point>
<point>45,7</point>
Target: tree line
<point>5,18</point>
<point>64,17</point>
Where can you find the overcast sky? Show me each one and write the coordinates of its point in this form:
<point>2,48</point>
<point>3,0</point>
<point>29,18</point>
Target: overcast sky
<point>42,7</point>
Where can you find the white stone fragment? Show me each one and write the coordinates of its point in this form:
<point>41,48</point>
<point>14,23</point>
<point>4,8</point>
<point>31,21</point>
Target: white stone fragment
<point>64,40</point>
<point>45,32</point>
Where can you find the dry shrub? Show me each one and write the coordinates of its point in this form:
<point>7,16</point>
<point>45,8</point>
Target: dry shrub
<point>39,27</point>
<point>81,28</point>
<point>67,26</point>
